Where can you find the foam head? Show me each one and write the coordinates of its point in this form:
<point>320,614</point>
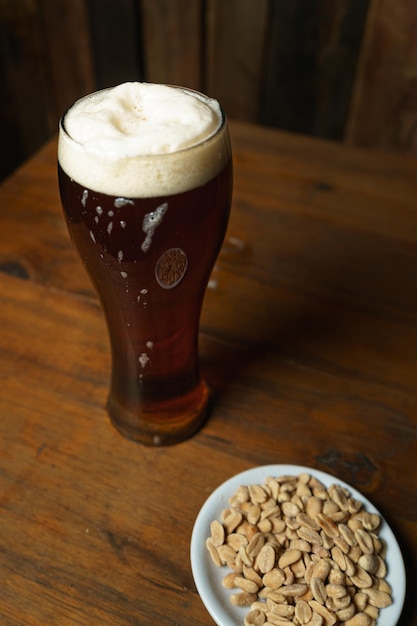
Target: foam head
<point>143,139</point>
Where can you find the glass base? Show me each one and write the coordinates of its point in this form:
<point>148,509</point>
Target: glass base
<point>163,423</point>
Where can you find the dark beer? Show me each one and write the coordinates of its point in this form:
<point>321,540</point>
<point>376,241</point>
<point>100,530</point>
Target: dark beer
<point>150,259</point>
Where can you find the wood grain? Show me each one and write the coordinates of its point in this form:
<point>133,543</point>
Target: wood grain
<point>115,39</point>
<point>45,65</point>
<point>311,65</point>
<point>68,59</point>
<point>173,41</point>
<point>236,40</point>
<point>383,112</point>
<point>342,70</point>
<point>23,128</point>
<point>307,339</point>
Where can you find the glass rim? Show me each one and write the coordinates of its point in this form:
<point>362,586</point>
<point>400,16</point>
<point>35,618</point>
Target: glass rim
<point>149,155</point>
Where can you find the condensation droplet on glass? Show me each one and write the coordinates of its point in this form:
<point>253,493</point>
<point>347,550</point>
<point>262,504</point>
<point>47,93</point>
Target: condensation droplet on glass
<point>151,221</point>
<point>143,359</point>
<point>144,291</point>
<point>110,227</point>
<point>123,274</point>
<point>149,344</point>
<point>110,213</point>
<point>99,210</point>
<point>96,219</point>
<point>120,256</point>
<point>92,236</point>
<point>122,223</point>
<point>84,197</point>
<point>119,202</point>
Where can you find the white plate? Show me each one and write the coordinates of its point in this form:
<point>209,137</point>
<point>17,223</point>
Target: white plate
<point>208,577</point>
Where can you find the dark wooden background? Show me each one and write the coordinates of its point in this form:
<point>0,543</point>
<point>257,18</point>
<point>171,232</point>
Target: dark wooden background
<point>344,70</point>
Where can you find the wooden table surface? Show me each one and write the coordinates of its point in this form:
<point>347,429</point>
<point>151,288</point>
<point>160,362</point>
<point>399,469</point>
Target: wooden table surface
<point>308,339</point>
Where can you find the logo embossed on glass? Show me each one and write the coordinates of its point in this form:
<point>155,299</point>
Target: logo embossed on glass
<point>171,267</point>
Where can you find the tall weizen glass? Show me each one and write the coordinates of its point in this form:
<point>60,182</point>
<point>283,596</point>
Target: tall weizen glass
<point>146,190</point>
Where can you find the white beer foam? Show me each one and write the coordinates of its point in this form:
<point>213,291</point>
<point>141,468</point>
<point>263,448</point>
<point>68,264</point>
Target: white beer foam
<point>143,140</point>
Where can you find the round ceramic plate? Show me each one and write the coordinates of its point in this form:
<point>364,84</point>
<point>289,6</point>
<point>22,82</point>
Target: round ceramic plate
<point>208,577</point>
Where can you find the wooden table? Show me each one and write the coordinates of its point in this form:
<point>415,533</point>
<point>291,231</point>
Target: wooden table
<point>308,339</point>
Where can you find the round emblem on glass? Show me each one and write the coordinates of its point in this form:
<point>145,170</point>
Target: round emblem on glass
<point>171,267</point>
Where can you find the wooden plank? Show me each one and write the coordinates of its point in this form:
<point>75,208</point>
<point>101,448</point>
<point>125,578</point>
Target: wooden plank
<point>172,41</point>
<point>309,340</point>
<point>24,103</point>
<point>235,33</point>
<point>368,189</point>
<point>311,65</point>
<point>67,54</point>
<point>115,40</point>
<point>384,107</point>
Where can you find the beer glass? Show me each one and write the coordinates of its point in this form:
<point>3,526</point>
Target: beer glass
<point>149,249</point>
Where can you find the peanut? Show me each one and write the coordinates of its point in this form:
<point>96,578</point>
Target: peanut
<point>301,553</point>
<point>289,557</point>
<point>266,558</point>
<point>303,612</point>
<point>246,585</point>
<point>255,618</point>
